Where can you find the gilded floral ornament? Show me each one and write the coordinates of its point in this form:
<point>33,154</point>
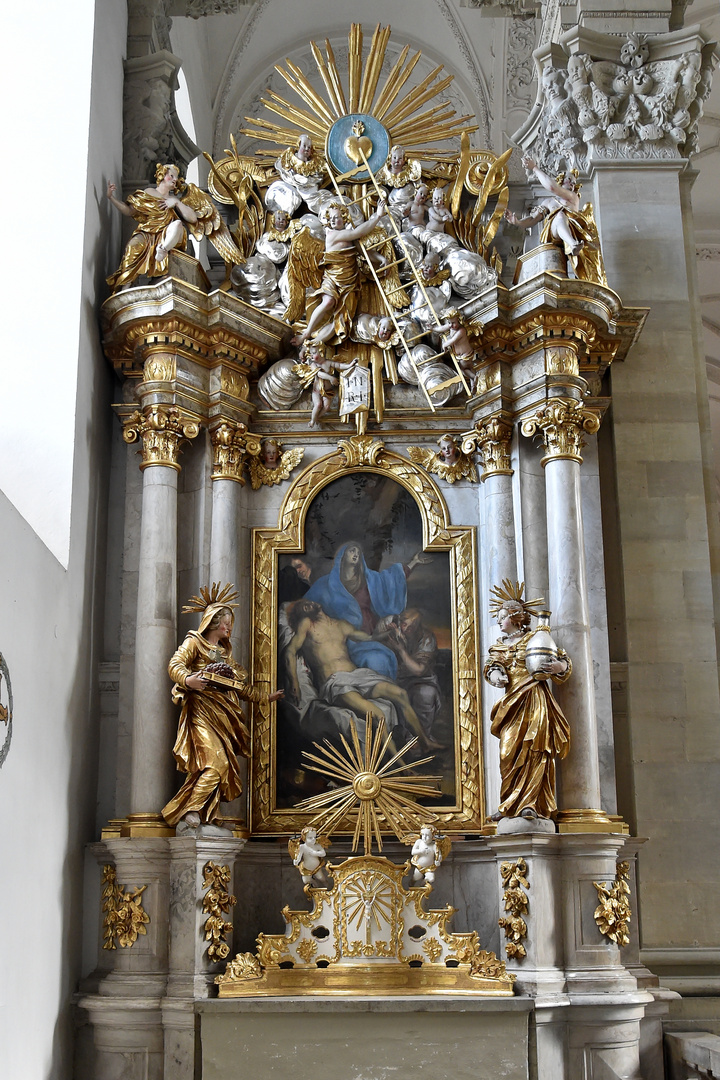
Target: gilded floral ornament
<point>613,914</point>
<point>563,423</point>
<point>244,966</point>
<point>161,429</point>
<point>514,879</point>
<point>272,464</point>
<point>124,916</point>
<point>217,902</point>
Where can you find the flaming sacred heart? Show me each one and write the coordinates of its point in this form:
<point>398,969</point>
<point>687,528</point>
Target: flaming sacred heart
<point>357,142</point>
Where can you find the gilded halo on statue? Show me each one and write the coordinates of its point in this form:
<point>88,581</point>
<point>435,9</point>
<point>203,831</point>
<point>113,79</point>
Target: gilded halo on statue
<point>6,709</point>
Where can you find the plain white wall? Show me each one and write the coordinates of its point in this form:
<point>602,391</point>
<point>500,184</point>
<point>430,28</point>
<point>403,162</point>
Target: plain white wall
<point>66,75</point>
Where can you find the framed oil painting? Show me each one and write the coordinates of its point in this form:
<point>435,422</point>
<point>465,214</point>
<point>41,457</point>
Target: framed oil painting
<point>364,602</point>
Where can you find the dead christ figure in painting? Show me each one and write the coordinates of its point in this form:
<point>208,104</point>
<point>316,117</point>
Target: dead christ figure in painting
<point>322,642</point>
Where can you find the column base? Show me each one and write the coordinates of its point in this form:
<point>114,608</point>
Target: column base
<point>589,821</point>
<point>146,825</point>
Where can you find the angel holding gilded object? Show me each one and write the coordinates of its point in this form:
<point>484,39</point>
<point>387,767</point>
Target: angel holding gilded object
<point>309,855</point>
<point>212,732</point>
<point>159,215</point>
<point>340,285</point>
<point>527,720</point>
<point>565,223</point>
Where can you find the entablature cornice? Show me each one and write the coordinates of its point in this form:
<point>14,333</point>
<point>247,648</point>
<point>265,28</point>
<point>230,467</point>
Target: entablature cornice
<point>197,327</point>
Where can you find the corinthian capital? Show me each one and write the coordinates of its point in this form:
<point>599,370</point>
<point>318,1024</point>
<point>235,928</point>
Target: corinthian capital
<point>230,443</point>
<point>493,437</point>
<point>161,429</point>
<point>562,423</point>
<point>636,98</point>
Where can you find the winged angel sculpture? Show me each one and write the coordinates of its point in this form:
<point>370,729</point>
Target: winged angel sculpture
<point>367,248</point>
<point>165,211</point>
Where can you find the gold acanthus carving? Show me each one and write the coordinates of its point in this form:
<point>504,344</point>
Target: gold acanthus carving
<point>563,423</point>
<point>514,879</point>
<point>160,367</point>
<point>124,916</point>
<point>161,429</point>
<point>613,913</point>
<point>561,360</point>
<point>493,438</point>
<point>244,966</point>
<point>229,443</point>
<point>217,902</point>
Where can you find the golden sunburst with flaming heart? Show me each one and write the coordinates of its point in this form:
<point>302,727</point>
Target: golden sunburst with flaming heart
<point>401,115</point>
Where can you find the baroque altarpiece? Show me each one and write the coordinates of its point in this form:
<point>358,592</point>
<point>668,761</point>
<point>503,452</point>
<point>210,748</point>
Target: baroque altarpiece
<point>381,421</point>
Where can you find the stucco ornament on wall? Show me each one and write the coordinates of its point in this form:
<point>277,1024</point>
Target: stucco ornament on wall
<point>6,709</point>
<point>639,99</point>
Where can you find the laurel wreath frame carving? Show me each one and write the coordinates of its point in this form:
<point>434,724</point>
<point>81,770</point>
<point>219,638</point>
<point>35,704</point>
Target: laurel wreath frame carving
<point>362,454</point>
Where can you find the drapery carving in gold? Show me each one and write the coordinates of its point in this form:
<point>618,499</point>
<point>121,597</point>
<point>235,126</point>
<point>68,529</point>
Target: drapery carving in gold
<point>438,535</point>
<point>161,429</point>
<point>514,879</point>
<point>563,423</point>
<point>124,916</point>
<point>217,902</point>
<point>613,913</point>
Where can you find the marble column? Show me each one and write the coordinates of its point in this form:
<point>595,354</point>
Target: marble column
<point>563,421</point>
<point>493,437</point>
<point>229,443</point>
<point>160,430</point>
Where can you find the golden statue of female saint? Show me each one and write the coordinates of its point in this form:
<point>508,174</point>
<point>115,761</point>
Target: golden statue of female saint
<point>527,720</point>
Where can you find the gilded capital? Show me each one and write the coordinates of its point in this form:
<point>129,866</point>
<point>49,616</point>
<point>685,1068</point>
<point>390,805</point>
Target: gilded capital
<point>493,438</point>
<point>229,443</point>
<point>563,423</point>
<point>161,429</point>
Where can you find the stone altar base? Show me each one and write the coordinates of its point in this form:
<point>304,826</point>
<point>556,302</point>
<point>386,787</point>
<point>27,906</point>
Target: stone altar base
<point>452,1038</point>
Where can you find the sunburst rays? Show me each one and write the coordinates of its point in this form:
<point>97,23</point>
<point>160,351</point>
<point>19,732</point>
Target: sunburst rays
<point>401,114</point>
<point>369,792</point>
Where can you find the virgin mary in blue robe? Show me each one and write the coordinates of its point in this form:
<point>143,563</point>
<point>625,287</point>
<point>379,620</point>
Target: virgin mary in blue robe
<point>376,594</point>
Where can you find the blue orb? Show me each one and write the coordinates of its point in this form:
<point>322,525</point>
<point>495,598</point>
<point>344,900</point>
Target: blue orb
<point>342,130</point>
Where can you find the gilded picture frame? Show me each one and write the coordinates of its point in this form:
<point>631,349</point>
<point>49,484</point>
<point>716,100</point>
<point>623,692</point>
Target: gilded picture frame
<point>453,550</point>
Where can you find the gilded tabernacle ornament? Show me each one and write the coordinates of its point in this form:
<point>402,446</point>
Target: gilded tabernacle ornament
<point>450,463</point>
<point>368,933</point>
<point>613,914</point>
<point>217,902</point>
<point>527,720</point>
<point>273,464</point>
<point>124,917</point>
<point>515,881</point>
